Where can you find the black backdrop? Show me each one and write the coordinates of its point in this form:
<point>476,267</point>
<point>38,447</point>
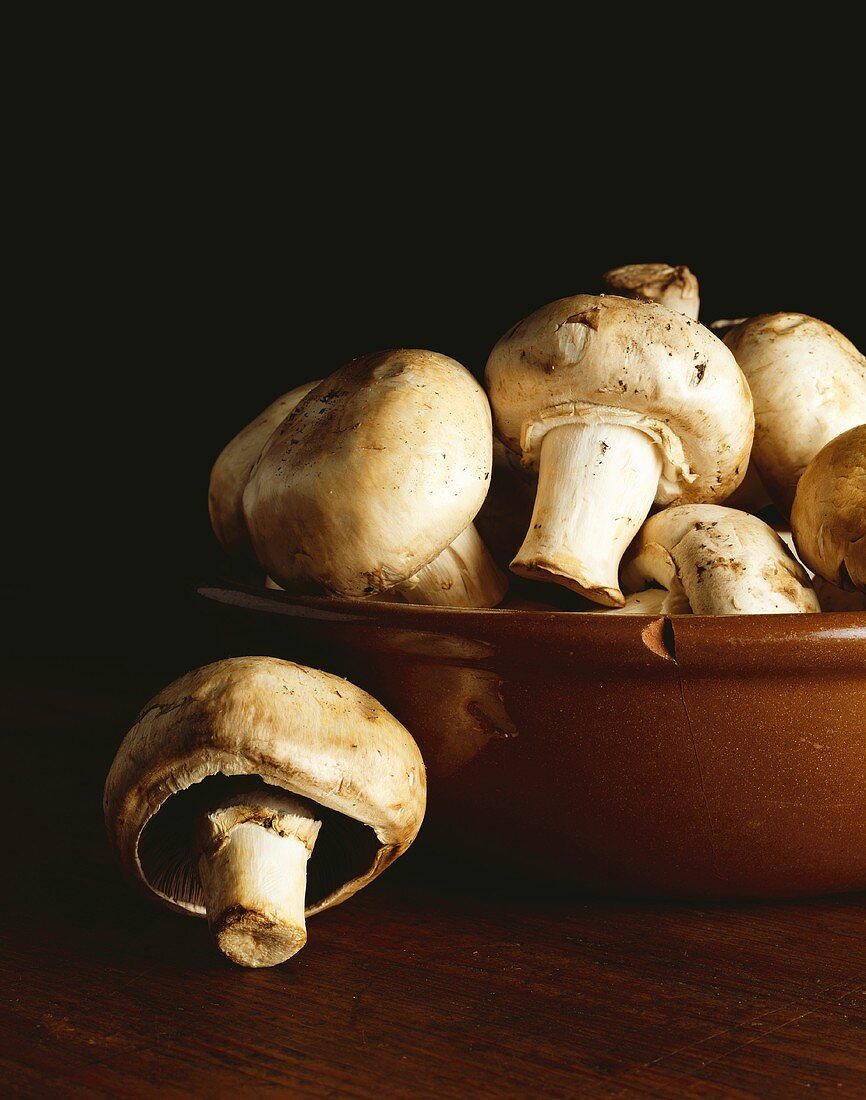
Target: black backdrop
<point>180,298</point>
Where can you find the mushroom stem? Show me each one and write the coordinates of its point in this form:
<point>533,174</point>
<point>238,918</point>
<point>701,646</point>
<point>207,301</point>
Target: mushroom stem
<point>253,852</point>
<point>462,575</point>
<point>596,485</point>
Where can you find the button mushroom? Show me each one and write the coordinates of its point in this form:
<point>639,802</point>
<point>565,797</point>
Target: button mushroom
<point>232,470</point>
<point>674,287</point>
<point>238,774</point>
<point>808,384</point>
<point>723,561</point>
<point>829,514</point>
<point>374,481</point>
<point>619,404</point>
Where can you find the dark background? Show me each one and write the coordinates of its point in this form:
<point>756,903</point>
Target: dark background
<point>184,269</point>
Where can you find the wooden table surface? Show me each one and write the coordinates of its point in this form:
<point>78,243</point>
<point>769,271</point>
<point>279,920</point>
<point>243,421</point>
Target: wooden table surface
<point>426,984</point>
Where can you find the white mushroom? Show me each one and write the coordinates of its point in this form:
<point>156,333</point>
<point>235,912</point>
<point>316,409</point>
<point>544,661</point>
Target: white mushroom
<point>232,470</point>
<point>235,774</point>
<point>674,287</point>
<point>808,385</point>
<point>373,482</point>
<point>829,514</point>
<point>618,404</point>
<point>723,561</point>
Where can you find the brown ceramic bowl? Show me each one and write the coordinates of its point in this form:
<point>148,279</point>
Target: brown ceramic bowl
<point>692,756</point>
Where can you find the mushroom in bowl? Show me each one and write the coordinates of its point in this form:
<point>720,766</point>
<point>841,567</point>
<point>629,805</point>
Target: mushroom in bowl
<point>372,484</point>
<point>619,404</point>
<point>829,514</point>
<point>723,561</point>
<point>673,286</point>
<point>808,384</point>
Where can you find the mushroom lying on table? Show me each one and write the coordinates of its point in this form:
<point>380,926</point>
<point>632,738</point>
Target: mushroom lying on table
<point>674,287</point>
<point>232,470</point>
<point>723,561</point>
<point>808,385</point>
<point>373,482</point>
<point>619,404</point>
<point>829,514</point>
<point>238,774</point>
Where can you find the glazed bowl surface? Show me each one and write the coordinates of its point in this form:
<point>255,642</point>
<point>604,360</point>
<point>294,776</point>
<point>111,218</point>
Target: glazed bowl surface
<point>690,756</point>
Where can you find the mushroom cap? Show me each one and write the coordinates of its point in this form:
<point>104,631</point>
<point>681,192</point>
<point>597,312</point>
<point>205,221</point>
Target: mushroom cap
<point>829,514</point>
<point>376,472</point>
<point>656,283</point>
<point>308,732</point>
<point>232,469</point>
<point>651,368</point>
<point>739,563</point>
<point>808,385</point>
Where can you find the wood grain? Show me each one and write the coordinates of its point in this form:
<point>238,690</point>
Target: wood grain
<point>430,983</point>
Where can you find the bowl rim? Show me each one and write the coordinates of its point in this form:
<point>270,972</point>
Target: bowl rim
<point>370,607</point>
<point>809,643</point>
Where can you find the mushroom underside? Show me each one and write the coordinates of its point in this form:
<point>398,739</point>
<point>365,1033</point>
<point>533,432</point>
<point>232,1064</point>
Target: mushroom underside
<point>346,848</point>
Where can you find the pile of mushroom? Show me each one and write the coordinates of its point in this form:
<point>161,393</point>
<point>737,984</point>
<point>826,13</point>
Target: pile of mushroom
<point>257,793</point>
<point>608,423</point>
<point>616,431</point>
